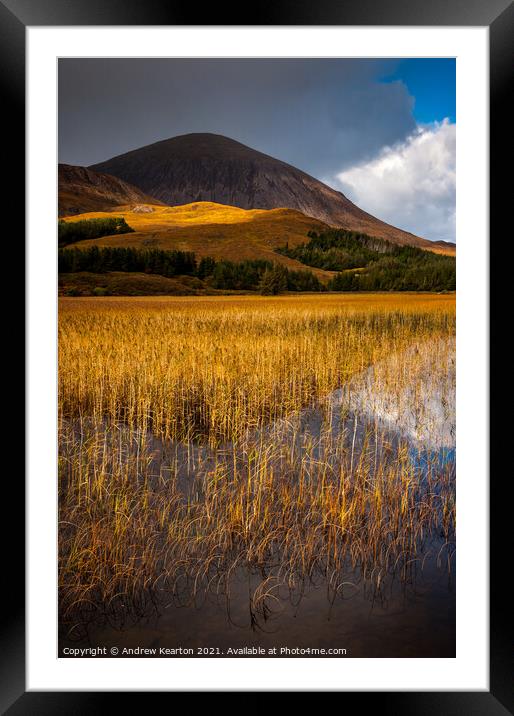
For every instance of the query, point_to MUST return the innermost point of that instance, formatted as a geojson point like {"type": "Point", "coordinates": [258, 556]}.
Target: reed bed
{"type": "Point", "coordinates": [187, 457]}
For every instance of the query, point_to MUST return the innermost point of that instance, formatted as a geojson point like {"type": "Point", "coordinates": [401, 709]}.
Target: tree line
{"type": "Point", "coordinates": [103, 259]}
{"type": "Point", "coordinates": [383, 266]}
{"type": "Point", "coordinates": [68, 232]}
{"type": "Point", "coordinates": [252, 274]}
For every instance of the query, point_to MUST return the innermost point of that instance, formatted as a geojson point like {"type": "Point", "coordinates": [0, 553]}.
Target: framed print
{"type": "Point", "coordinates": [257, 261]}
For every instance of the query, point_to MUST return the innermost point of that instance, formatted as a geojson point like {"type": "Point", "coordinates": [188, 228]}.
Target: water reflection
{"type": "Point", "coordinates": [406, 608]}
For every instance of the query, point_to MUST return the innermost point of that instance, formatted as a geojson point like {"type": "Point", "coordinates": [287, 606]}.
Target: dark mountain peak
{"type": "Point", "coordinates": [198, 139]}
{"type": "Point", "coordinates": [212, 167]}
{"type": "Point", "coordinates": [198, 145]}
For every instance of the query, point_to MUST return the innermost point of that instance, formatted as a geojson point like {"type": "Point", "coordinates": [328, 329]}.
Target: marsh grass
{"type": "Point", "coordinates": [185, 460]}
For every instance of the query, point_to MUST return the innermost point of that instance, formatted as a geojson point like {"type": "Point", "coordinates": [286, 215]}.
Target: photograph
{"type": "Point", "coordinates": [256, 357]}
{"type": "Point", "coordinates": [260, 441]}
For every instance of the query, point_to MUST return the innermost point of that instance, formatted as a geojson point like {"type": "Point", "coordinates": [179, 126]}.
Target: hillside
{"type": "Point", "coordinates": [209, 229]}
{"type": "Point", "coordinates": [209, 167]}
{"type": "Point", "coordinates": [82, 189]}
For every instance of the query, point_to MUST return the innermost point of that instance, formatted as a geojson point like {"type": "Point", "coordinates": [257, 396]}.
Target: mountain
{"type": "Point", "coordinates": [82, 189]}
{"type": "Point", "coordinates": [213, 168]}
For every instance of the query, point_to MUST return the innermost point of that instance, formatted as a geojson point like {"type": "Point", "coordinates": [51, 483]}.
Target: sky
{"type": "Point", "coordinates": [382, 131]}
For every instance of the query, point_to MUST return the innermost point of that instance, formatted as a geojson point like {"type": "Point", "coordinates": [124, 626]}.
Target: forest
{"type": "Point", "coordinates": [252, 275]}
{"type": "Point", "coordinates": [382, 266]}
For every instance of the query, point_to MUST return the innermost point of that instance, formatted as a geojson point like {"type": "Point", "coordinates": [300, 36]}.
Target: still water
{"type": "Point", "coordinates": [411, 614]}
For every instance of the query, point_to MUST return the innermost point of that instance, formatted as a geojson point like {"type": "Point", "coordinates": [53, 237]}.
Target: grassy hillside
{"type": "Point", "coordinates": [209, 229]}
{"type": "Point", "coordinates": [241, 245]}
{"type": "Point", "coordinates": [216, 230]}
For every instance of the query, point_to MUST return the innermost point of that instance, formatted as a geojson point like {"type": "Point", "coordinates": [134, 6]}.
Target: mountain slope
{"type": "Point", "coordinates": [210, 167]}
{"type": "Point", "coordinates": [82, 189]}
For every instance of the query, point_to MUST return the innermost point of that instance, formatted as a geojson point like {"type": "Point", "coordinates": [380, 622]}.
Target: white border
{"type": "Point", "coordinates": [469, 670]}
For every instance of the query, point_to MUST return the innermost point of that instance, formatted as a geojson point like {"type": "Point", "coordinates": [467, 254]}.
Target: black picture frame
{"type": "Point", "coordinates": [498, 15]}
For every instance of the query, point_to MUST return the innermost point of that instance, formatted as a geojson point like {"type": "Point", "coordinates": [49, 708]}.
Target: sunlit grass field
{"type": "Point", "coordinates": [210, 229]}
{"type": "Point", "coordinates": [171, 477]}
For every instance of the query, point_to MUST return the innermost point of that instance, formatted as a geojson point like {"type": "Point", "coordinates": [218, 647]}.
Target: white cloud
{"type": "Point", "coordinates": [410, 184]}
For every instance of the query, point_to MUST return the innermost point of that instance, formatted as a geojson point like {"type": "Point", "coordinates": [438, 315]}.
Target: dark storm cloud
{"type": "Point", "coordinates": [319, 115]}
